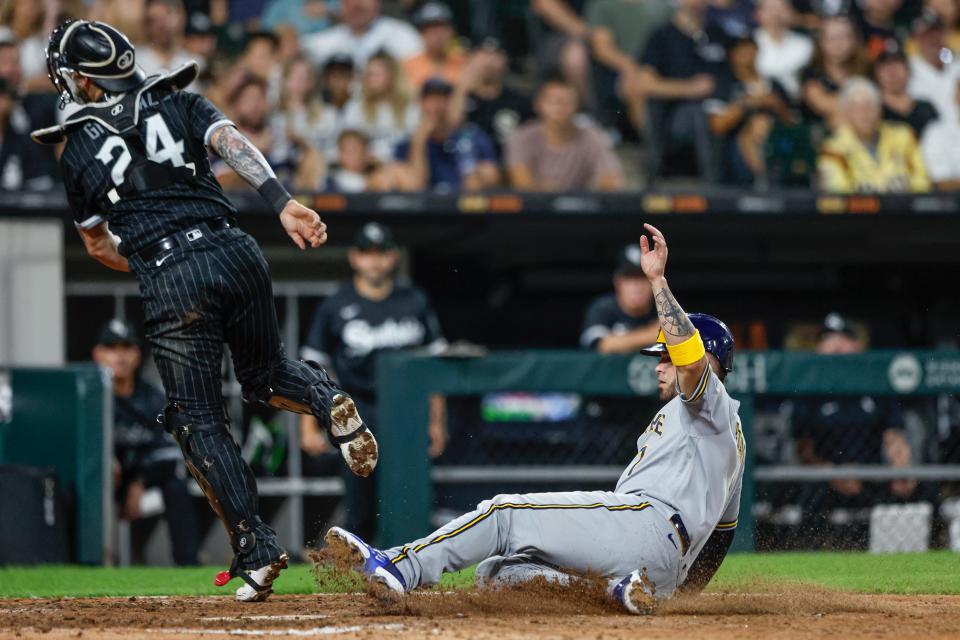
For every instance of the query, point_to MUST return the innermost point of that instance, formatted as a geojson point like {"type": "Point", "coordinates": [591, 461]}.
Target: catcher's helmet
{"type": "Point", "coordinates": [96, 50]}
{"type": "Point", "coordinates": [716, 337]}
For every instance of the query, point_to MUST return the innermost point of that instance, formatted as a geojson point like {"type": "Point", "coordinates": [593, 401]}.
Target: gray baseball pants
{"type": "Point", "coordinates": [516, 538]}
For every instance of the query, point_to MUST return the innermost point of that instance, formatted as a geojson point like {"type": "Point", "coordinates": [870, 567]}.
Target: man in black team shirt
{"type": "Point", "coordinates": [145, 457]}
{"type": "Point", "coordinates": [370, 314]}
{"type": "Point", "coordinates": [482, 98]}
{"type": "Point", "coordinates": [144, 200]}
{"type": "Point", "coordinates": [625, 320]}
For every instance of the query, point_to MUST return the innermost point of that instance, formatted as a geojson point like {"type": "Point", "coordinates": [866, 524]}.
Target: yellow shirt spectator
{"type": "Point", "coordinates": [895, 165]}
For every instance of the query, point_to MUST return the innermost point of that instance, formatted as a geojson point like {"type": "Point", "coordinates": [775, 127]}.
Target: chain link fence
{"type": "Point", "coordinates": [831, 472]}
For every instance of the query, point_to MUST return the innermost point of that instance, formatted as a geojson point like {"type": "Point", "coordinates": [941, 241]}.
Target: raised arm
{"type": "Point", "coordinates": [301, 223]}
{"type": "Point", "coordinates": [683, 340]}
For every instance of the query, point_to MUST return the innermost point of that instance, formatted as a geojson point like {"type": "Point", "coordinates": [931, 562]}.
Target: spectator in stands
{"type": "Point", "coordinates": [876, 24]}
{"type": "Point", "coordinates": [561, 41]}
{"type": "Point", "coordinates": [337, 80]}
{"type": "Point", "coordinates": [934, 71]}
{"type": "Point", "coordinates": [29, 23]}
{"type": "Point", "coordinates": [838, 430]}
{"type": "Point", "coordinates": [678, 72]}
{"type": "Point", "coordinates": [783, 53]}
{"type": "Point", "coordinates": [867, 155]}
{"type": "Point", "coordinates": [626, 320]}
{"type": "Point", "coordinates": [556, 152]}
{"type": "Point", "coordinates": [949, 13]}
{"type": "Point", "coordinates": [742, 114]}
{"type": "Point", "coordinates": [24, 165]}
{"type": "Point", "coordinates": [145, 456]}
{"type": "Point", "coordinates": [892, 74]}
{"type": "Point", "coordinates": [260, 59]}
{"type": "Point", "coordinates": [300, 107]}
{"type": "Point", "coordinates": [935, 76]}
{"type": "Point", "coordinates": [356, 169]}
{"type": "Point", "coordinates": [10, 68]}
{"type": "Point", "coordinates": [619, 31]}
{"type": "Point", "coordinates": [304, 16]}
{"type": "Point", "coordinates": [164, 23]}
{"type": "Point", "coordinates": [383, 109]}
{"type": "Point", "coordinates": [28, 112]}
{"type": "Point", "coordinates": [442, 56]}
{"type": "Point", "coordinates": [297, 163]}
{"type": "Point", "coordinates": [839, 57]}
{"type": "Point", "coordinates": [482, 98]}
{"type": "Point", "coordinates": [441, 155]}
{"type": "Point", "coordinates": [200, 43]}
{"type": "Point", "coordinates": [362, 33]}
{"type": "Point", "coordinates": [369, 315]}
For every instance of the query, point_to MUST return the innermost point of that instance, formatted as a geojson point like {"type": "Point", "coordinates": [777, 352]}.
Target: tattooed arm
{"type": "Point", "coordinates": [676, 325]}
{"type": "Point", "coordinates": [242, 156]}
{"type": "Point", "coordinates": [301, 223]}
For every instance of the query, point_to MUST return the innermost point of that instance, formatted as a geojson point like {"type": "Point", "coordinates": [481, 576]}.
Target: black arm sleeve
{"type": "Point", "coordinates": [709, 560]}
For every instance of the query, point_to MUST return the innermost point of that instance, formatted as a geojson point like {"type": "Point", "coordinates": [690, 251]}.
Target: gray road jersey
{"type": "Point", "coordinates": [691, 458]}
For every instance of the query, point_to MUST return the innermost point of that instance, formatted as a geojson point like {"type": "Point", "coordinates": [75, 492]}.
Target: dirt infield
{"type": "Point", "coordinates": [784, 613]}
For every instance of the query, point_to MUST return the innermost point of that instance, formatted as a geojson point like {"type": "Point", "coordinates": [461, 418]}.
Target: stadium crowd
{"type": "Point", "coordinates": [546, 95]}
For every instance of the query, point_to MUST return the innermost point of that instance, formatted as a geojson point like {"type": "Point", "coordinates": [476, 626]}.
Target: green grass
{"type": "Point", "coordinates": [935, 573]}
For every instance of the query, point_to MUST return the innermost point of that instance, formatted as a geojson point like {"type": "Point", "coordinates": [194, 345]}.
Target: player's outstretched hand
{"type": "Point", "coordinates": [303, 225]}
{"type": "Point", "coordinates": [653, 260]}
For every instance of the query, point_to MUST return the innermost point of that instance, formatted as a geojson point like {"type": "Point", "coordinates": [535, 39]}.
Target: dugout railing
{"type": "Point", "coordinates": [411, 484]}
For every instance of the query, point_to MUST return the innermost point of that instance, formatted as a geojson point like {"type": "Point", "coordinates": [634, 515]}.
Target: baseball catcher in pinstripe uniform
{"type": "Point", "coordinates": [144, 200]}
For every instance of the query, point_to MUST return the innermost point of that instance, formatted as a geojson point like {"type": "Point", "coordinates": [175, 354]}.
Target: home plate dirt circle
{"type": "Point", "coordinates": [785, 612]}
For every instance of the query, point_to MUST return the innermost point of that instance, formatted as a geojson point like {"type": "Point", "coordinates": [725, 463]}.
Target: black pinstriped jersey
{"type": "Point", "coordinates": [176, 127]}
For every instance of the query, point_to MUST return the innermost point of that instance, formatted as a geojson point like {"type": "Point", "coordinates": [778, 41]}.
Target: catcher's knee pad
{"type": "Point", "coordinates": [214, 461]}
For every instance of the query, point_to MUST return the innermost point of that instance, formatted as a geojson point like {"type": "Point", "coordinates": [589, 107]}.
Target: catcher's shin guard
{"type": "Point", "coordinates": [214, 461]}
{"type": "Point", "coordinates": [304, 387]}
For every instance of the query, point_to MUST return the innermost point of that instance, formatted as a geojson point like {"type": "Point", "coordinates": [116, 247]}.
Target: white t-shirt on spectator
{"type": "Point", "coordinates": [33, 56]}
{"type": "Point", "coordinates": [396, 37]}
{"type": "Point", "coordinates": [941, 150]}
{"type": "Point", "coordinates": [384, 131]}
{"type": "Point", "coordinates": [782, 61]}
{"type": "Point", "coordinates": [938, 86]}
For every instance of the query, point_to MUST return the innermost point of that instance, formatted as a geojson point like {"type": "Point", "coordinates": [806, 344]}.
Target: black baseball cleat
{"type": "Point", "coordinates": [356, 442]}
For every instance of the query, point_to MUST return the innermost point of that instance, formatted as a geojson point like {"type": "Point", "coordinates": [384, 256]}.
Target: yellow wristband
{"type": "Point", "coordinates": [687, 352]}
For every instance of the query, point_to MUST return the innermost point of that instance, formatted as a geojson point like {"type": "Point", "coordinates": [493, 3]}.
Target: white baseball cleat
{"type": "Point", "coordinates": [264, 577]}
{"type": "Point", "coordinates": [356, 442]}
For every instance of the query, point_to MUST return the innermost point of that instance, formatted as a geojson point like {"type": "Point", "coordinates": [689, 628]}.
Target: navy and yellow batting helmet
{"type": "Point", "coordinates": [716, 337]}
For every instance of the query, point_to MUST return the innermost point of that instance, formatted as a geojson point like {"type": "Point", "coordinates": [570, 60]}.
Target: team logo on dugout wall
{"type": "Point", "coordinates": [905, 373]}
{"type": "Point", "coordinates": [641, 376]}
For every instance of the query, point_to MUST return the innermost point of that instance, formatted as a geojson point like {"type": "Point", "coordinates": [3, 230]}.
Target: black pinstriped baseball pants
{"type": "Point", "coordinates": [213, 290]}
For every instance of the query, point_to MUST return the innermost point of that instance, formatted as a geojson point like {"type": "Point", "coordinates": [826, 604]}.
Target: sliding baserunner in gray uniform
{"type": "Point", "coordinates": [666, 525]}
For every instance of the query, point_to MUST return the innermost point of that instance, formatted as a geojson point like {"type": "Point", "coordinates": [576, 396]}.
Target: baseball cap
{"type": "Point", "coordinates": [198, 24]}
{"type": "Point", "coordinates": [374, 235]}
{"type": "Point", "coordinates": [836, 323]}
{"type": "Point", "coordinates": [432, 13]}
{"type": "Point", "coordinates": [339, 60]}
{"type": "Point", "coordinates": [629, 261]}
{"type": "Point", "coordinates": [117, 332]}
{"type": "Point", "coordinates": [436, 85]}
